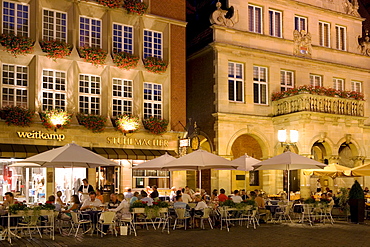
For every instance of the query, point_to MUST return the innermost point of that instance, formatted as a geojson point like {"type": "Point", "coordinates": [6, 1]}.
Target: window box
{"type": "Point", "coordinates": [55, 119]}
{"type": "Point", "coordinates": [17, 45]}
{"type": "Point", "coordinates": [125, 60]}
{"type": "Point", "coordinates": [17, 115]}
{"type": "Point", "coordinates": [93, 55]}
{"type": "Point", "coordinates": [135, 6]}
{"type": "Point", "coordinates": [95, 123]}
{"type": "Point", "coordinates": [55, 48]}
{"type": "Point", "coordinates": [155, 125]}
{"type": "Point", "coordinates": [155, 65]}
{"type": "Point", "coordinates": [127, 124]}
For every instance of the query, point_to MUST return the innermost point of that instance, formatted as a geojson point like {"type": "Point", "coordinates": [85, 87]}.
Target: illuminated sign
{"type": "Point", "coordinates": [39, 135]}
{"type": "Point", "coordinates": [137, 142]}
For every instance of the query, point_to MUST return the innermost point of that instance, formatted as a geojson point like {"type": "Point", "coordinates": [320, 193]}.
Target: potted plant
{"type": "Point", "coordinates": [125, 60]}
{"type": "Point", "coordinates": [357, 203]}
{"type": "Point", "coordinates": [155, 65]}
{"type": "Point", "coordinates": [17, 115]}
{"type": "Point", "coordinates": [96, 123]}
{"type": "Point", "coordinates": [55, 48]}
{"type": "Point", "coordinates": [93, 55]}
{"type": "Point", "coordinates": [155, 125]}
{"type": "Point", "coordinates": [17, 45]}
{"type": "Point", "coordinates": [135, 6]}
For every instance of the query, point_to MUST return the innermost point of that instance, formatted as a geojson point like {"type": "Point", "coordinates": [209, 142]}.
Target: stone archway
{"type": "Point", "coordinates": [246, 144]}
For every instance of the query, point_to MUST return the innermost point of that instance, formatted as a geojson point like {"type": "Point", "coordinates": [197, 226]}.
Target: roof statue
{"type": "Point", "coordinates": [228, 17]}
{"type": "Point", "coordinates": [351, 7]}
{"type": "Point", "coordinates": [364, 43]}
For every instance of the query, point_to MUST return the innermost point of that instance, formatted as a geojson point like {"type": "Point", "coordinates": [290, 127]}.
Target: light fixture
{"type": "Point", "coordinates": [282, 137]}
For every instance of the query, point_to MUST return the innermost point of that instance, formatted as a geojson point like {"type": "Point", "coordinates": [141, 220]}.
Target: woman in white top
{"type": "Point", "coordinates": [123, 210]}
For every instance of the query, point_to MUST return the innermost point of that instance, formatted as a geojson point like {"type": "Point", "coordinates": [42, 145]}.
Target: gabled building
{"type": "Point", "coordinates": [256, 67]}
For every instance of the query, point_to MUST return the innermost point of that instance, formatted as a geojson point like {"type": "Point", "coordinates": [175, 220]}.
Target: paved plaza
{"type": "Point", "coordinates": [286, 234]}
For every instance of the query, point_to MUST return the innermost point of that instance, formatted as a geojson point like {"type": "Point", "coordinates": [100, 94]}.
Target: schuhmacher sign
{"type": "Point", "coordinates": [121, 141]}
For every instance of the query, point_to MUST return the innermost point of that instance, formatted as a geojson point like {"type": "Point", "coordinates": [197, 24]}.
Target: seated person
{"type": "Point", "coordinates": [147, 199]}
{"type": "Point", "coordinates": [244, 195]}
{"type": "Point", "coordinates": [9, 199]}
{"type": "Point", "coordinates": [75, 205]}
{"type": "Point", "coordinates": [199, 208]}
{"type": "Point", "coordinates": [262, 208]}
{"type": "Point", "coordinates": [236, 198]}
{"type": "Point", "coordinates": [222, 197]}
{"type": "Point", "coordinates": [114, 202]}
{"type": "Point", "coordinates": [134, 198]}
{"type": "Point", "coordinates": [122, 211]}
{"type": "Point", "coordinates": [91, 202]}
{"type": "Point", "coordinates": [59, 200]}
{"type": "Point", "coordinates": [128, 194]}
{"type": "Point", "coordinates": [185, 197]}
{"type": "Point", "coordinates": [180, 204]}
{"type": "Point", "coordinates": [154, 193]}
{"type": "Point", "coordinates": [51, 200]}
{"type": "Point", "coordinates": [99, 195]}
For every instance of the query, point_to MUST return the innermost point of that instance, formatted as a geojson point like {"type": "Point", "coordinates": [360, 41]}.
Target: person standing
{"type": "Point", "coordinates": [85, 189]}
{"type": "Point", "coordinates": [318, 185]}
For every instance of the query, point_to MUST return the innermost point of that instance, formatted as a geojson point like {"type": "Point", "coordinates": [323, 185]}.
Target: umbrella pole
{"type": "Point", "coordinates": [288, 196]}
{"type": "Point", "coordinates": [200, 179]}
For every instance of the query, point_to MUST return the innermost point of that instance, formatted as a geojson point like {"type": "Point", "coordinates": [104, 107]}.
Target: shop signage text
{"type": "Point", "coordinates": [137, 142]}
{"type": "Point", "coordinates": [41, 135]}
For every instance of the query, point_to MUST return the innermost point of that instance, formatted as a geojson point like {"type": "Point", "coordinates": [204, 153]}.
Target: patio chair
{"type": "Point", "coordinates": [106, 219]}
{"type": "Point", "coordinates": [284, 213]}
{"type": "Point", "coordinates": [140, 217]}
{"type": "Point", "coordinates": [164, 219]}
{"type": "Point", "coordinates": [307, 213]}
{"type": "Point", "coordinates": [206, 216]}
{"type": "Point", "coordinates": [224, 217]}
{"type": "Point", "coordinates": [30, 222]}
{"type": "Point", "coordinates": [252, 218]}
{"type": "Point", "coordinates": [77, 222]}
{"type": "Point", "coordinates": [129, 222]}
{"type": "Point", "coordinates": [327, 214]}
{"type": "Point", "coordinates": [180, 213]}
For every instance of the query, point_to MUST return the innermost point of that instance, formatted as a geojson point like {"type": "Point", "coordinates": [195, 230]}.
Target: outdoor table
{"type": "Point", "coordinates": [298, 208]}
{"type": "Point", "coordinates": [93, 215]}
{"type": "Point", "coordinates": [272, 208]}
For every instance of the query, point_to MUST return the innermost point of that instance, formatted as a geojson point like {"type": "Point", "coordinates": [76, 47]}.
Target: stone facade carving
{"type": "Point", "coordinates": [364, 44]}
{"type": "Point", "coordinates": [351, 7]}
{"type": "Point", "coordinates": [302, 43]}
{"type": "Point", "coordinates": [318, 103]}
{"type": "Point", "coordinates": [226, 18]}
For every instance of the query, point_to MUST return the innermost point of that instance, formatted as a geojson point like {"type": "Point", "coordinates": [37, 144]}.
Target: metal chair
{"type": "Point", "coordinates": [106, 219]}
{"type": "Point", "coordinates": [284, 213]}
{"type": "Point", "coordinates": [180, 213]}
{"type": "Point", "coordinates": [205, 216]}
{"type": "Point", "coordinates": [128, 221]}
{"type": "Point", "coordinates": [76, 221]}
{"type": "Point", "coordinates": [30, 222]}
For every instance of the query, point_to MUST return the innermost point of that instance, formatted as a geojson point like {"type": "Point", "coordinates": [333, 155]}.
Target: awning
{"type": "Point", "coordinates": [134, 154]}
{"type": "Point", "coordinates": [24, 151]}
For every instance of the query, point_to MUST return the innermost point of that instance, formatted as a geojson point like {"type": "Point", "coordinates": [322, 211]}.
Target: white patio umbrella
{"type": "Point", "coordinates": [332, 170]}
{"type": "Point", "coordinates": [155, 164]}
{"type": "Point", "coordinates": [68, 156]}
{"type": "Point", "coordinates": [199, 160]}
{"type": "Point", "coordinates": [288, 161]}
{"type": "Point", "coordinates": [245, 163]}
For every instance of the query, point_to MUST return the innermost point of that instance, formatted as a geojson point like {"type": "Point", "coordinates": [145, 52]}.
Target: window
{"type": "Point", "coordinates": [54, 25]}
{"type": "Point", "coordinates": [324, 33]}
{"type": "Point", "coordinates": [15, 18]}
{"type": "Point", "coordinates": [89, 94]}
{"type": "Point", "coordinates": [90, 32]}
{"type": "Point", "coordinates": [340, 38]}
{"type": "Point", "coordinates": [152, 100]}
{"type": "Point", "coordinates": [286, 80]}
{"type": "Point", "coordinates": [275, 23]}
{"type": "Point", "coordinates": [255, 18]}
{"type": "Point", "coordinates": [260, 85]}
{"type": "Point", "coordinates": [300, 23]}
{"type": "Point", "coordinates": [53, 90]}
{"type": "Point", "coordinates": [316, 80]}
{"type": "Point", "coordinates": [356, 86]}
{"type": "Point", "coordinates": [152, 44]}
{"type": "Point", "coordinates": [338, 84]}
{"type": "Point", "coordinates": [122, 38]}
{"type": "Point", "coordinates": [122, 97]}
{"type": "Point", "coordinates": [236, 82]}
{"type": "Point", "coordinates": [14, 85]}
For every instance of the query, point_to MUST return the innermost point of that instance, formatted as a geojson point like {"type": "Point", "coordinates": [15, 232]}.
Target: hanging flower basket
{"type": "Point", "coordinates": [95, 123]}
{"type": "Point", "coordinates": [125, 60]}
{"type": "Point", "coordinates": [17, 45]}
{"type": "Point", "coordinates": [16, 115]}
{"type": "Point", "coordinates": [135, 6]}
{"type": "Point", "coordinates": [127, 124]}
{"type": "Point", "coordinates": [155, 65]}
{"type": "Point", "coordinates": [55, 119]}
{"type": "Point", "coordinates": [155, 125]}
{"type": "Point", "coordinates": [93, 55]}
{"type": "Point", "coordinates": [55, 48]}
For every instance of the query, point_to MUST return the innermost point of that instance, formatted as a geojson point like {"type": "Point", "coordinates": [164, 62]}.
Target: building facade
{"type": "Point", "coordinates": [77, 85]}
{"type": "Point", "coordinates": [255, 67]}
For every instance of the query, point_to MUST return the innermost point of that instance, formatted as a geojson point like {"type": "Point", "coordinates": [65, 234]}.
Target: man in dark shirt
{"type": "Point", "coordinates": [114, 202]}
{"type": "Point", "coordinates": [155, 193]}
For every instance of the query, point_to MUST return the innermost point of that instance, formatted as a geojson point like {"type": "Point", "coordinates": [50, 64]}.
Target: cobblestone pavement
{"type": "Point", "coordinates": [285, 234]}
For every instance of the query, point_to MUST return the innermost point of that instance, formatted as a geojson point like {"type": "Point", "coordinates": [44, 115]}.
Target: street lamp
{"type": "Point", "coordinates": [285, 142]}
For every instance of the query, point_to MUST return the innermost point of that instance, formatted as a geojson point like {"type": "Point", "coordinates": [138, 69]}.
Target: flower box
{"type": "Point", "coordinates": [155, 125]}
{"type": "Point", "coordinates": [134, 6]}
{"type": "Point", "coordinates": [125, 60]}
{"type": "Point", "coordinates": [57, 119]}
{"type": "Point", "coordinates": [16, 115]}
{"type": "Point", "coordinates": [17, 45]}
{"type": "Point", "coordinates": [95, 123]}
{"type": "Point", "coordinates": [93, 55]}
{"type": "Point", "coordinates": [55, 48]}
{"type": "Point", "coordinates": [155, 65]}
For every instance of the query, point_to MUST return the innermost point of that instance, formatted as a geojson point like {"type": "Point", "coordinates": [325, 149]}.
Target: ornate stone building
{"type": "Point", "coordinates": [255, 67]}
{"type": "Point", "coordinates": [75, 84]}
